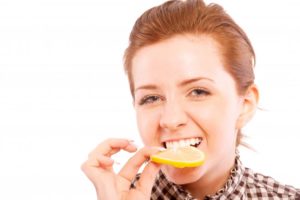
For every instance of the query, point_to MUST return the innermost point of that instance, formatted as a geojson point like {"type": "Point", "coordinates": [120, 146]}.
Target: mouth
{"type": "Point", "coordinates": [194, 142]}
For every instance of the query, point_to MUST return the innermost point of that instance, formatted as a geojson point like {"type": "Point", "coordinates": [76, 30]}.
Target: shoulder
{"type": "Point", "coordinates": [259, 185]}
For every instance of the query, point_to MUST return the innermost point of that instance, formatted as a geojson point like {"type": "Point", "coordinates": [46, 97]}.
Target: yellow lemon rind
{"type": "Point", "coordinates": [178, 163]}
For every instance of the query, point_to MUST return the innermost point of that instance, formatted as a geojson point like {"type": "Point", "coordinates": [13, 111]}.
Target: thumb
{"type": "Point", "coordinates": [147, 178]}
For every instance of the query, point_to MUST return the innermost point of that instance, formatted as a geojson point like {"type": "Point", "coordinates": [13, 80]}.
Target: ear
{"type": "Point", "coordinates": [248, 106]}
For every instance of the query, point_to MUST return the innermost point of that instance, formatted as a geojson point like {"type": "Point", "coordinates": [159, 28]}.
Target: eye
{"type": "Point", "coordinates": [149, 99]}
{"type": "Point", "coordinates": [198, 92]}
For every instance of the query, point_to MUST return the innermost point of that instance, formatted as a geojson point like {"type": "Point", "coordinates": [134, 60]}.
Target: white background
{"type": "Point", "coordinates": [63, 90]}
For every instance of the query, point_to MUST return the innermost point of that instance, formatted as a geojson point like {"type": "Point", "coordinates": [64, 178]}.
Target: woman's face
{"type": "Point", "coordinates": [182, 94]}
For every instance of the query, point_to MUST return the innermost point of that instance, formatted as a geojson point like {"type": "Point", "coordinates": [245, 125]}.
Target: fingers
{"type": "Point", "coordinates": [147, 178]}
{"type": "Point", "coordinates": [133, 165]}
{"type": "Point", "coordinates": [98, 169]}
{"type": "Point", "coordinates": [112, 146]}
{"type": "Point", "coordinates": [99, 158]}
{"type": "Point", "coordinates": [94, 166]}
{"type": "Point", "coordinates": [99, 161]}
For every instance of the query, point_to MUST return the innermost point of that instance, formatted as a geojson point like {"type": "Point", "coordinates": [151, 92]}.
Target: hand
{"type": "Point", "coordinates": [111, 186]}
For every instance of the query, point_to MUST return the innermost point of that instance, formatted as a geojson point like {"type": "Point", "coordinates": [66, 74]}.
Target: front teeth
{"type": "Point", "coordinates": [184, 143]}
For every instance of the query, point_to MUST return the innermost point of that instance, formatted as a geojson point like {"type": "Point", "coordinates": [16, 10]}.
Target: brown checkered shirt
{"type": "Point", "coordinates": [243, 184]}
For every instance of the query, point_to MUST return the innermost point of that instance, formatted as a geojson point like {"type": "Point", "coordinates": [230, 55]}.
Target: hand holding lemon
{"type": "Point", "coordinates": [111, 185]}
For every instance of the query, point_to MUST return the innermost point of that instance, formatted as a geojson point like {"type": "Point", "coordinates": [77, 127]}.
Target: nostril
{"type": "Point", "coordinates": [173, 118]}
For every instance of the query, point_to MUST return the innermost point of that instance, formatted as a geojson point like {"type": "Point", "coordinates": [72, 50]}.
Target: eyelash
{"type": "Point", "coordinates": [150, 99]}
{"type": "Point", "coordinates": [200, 92]}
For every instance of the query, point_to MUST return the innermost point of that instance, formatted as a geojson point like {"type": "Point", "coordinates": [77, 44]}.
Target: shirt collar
{"type": "Point", "coordinates": [231, 185]}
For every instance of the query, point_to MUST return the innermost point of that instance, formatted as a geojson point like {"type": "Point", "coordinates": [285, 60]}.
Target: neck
{"type": "Point", "coordinates": [212, 182]}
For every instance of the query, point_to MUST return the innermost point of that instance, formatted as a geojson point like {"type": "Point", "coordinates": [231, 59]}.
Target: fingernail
{"type": "Point", "coordinates": [132, 143]}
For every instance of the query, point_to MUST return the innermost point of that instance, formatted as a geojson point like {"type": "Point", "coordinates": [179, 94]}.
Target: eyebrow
{"type": "Point", "coordinates": [192, 80]}
{"type": "Point", "coordinates": [146, 87]}
{"type": "Point", "coordinates": [181, 84]}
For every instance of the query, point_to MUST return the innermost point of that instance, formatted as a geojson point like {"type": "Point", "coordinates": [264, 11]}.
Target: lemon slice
{"type": "Point", "coordinates": [180, 157]}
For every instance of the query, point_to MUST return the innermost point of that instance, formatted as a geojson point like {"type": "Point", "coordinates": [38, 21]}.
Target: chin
{"type": "Point", "coordinates": [181, 176]}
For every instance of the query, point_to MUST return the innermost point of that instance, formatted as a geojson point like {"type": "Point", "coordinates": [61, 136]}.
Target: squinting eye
{"type": "Point", "coordinates": [199, 92]}
{"type": "Point", "coordinates": [149, 100]}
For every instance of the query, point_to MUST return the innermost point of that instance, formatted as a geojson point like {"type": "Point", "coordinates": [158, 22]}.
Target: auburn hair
{"type": "Point", "coordinates": [178, 17]}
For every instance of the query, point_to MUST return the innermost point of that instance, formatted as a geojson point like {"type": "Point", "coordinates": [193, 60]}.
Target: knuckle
{"type": "Point", "coordinates": [91, 155]}
{"type": "Point", "coordinates": [84, 167]}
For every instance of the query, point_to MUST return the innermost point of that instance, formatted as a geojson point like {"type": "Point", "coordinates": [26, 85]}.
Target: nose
{"type": "Point", "coordinates": [173, 116]}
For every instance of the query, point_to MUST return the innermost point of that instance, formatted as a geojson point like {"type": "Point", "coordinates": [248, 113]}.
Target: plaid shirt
{"type": "Point", "coordinates": [243, 184]}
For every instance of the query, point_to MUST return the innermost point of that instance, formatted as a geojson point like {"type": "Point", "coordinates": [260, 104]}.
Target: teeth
{"type": "Point", "coordinates": [186, 143]}
{"type": "Point", "coordinates": [183, 143]}
{"type": "Point", "coordinates": [193, 141]}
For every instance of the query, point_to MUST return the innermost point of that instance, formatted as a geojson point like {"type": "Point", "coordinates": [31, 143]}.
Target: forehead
{"type": "Point", "coordinates": [182, 56]}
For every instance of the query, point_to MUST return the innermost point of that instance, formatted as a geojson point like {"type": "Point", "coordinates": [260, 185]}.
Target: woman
{"type": "Point", "coordinates": [190, 69]}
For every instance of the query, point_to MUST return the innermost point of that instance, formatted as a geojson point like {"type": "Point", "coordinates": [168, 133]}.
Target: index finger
{"type": "Point", "coordinates": [113, 145]}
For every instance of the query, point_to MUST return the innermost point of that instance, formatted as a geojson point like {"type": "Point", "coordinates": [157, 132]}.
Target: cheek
{"type": "Point", "coordinates": [217, 120]}
{"type": "Point", "coordinates": [148, 124]}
